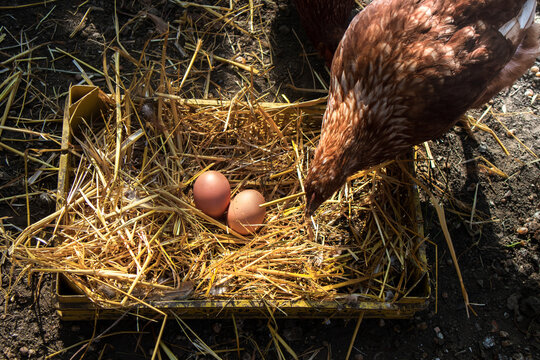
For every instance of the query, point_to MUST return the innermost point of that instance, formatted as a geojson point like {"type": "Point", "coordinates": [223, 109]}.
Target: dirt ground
{"type": "Point", "coordinates": [499, 257]}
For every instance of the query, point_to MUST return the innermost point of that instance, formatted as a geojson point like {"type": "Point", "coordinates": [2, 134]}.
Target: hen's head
{"type": "Point", "coordinates": [364, 125]}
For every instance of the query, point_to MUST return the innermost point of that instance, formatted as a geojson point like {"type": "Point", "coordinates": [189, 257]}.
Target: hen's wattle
{"type": "Point", "coordinates": [406, 70]}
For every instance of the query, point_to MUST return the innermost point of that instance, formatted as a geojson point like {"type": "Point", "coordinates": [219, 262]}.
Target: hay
{"type": "Point", "coordinates": [128, 231]}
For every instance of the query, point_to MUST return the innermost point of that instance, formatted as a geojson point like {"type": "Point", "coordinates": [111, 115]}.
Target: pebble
{"type": "Point", "coordinates": [358, 357]}
{"type": "Point", "coordinates": [23, 350]}
{"type": "Point", "coordinates": [535, 69]}
{"type": "Point", "coordinates": [489, 342]}
{"type": "Point", "coordinates": [511, 132]}
{"type": "Point", "coordinates": [284, 29]}
{"type": "Point", "coordinates": [293, 334]}
{"type": "Point", "coordinates": [483, 148]}
{"type": "Point", "coordinates": [240, 59]}
{"type": "Point", "coordinates": [522, 230]}
{"type": "Point", "coordinates": [529, 93]}
{"type": "Point", "coordinates": [148, 112]}
{"type": "Point", "coordinates": [216, 327]}
{"type": "Point", "coordinates": [537, 74]}
{"type": "Point", "coordinates": [504, 334]}
{"type": "Point", "coordinates": [512, 303]}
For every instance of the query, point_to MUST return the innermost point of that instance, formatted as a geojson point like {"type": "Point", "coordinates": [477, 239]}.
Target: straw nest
{"type": "Point", "coordinates": [128, 231]}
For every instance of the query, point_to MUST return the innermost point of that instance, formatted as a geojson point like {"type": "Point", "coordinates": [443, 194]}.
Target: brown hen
{"type": "Point", "coordinates": [404, 73]}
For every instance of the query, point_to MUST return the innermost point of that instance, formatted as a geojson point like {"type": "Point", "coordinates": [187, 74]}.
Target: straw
{"type": "Point", "coordinates": [133, 224]}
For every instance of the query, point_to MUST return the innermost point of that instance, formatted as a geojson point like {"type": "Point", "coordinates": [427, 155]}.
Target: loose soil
{"type": "Point", "coordinates": [500, 266]}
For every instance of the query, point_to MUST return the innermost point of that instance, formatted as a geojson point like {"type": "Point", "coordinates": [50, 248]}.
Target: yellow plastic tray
{"type": "Point", "coordinates": [85, 102]}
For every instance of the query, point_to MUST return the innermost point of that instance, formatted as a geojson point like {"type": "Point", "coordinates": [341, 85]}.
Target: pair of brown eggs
{"type": "Point", "coordinates": [212, 195]}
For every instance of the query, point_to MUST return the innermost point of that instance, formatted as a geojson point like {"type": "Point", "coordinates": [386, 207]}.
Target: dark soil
{"type": "Point", "coordinates": [500, 266]}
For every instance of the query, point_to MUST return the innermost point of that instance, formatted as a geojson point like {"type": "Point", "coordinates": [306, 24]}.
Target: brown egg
{"type": "Point", "coordinates": [245, 216]}
{"type": "Point", "coordinates": [212, 193]}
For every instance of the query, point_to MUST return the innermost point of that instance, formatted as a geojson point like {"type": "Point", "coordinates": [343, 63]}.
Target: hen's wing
{"type": "Point", "coordinates": [433, 59]}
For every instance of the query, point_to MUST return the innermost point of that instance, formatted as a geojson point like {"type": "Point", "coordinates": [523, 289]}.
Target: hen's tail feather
{"type": "Point", "coordinates": [524, 57]}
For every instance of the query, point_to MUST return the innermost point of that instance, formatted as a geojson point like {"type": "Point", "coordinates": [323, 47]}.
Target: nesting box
{"type": "Point", "coordinates": [128, 236]}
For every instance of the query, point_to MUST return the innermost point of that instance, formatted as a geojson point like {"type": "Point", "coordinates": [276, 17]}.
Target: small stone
{"type": "Point", "coordinates": [503, 334]}
{"type": "Point", "coordinates": [31, 352]}
{"type": "Point", "coordinates": [216, 327]}
{"type": "Point", "coordinates": [24, 351]}
{"type": "Point", "coordinates": [358, 357]}
{"type": "Point", "coordinates": [293, 334]}
{"type": "Point", "coordinates": [512, 303]}
{"type": "Point", "coordinates": [488, 342]}
{"type": "Point", "coordinates": [284, 29]}
{"type": "Point", "coordinates": [483, 148]}
{"type": "Point", "coordinates": [529, 93]}
{"type": "Point", "coordinates": [240, 59]}
{"type": "Point", "coordinates": [511, 132]}
{"type": "Point", "coordinates": [537, 74]}
{"type": "Point", "coordinates": [148, 112]}
{"type": "Point", "coordinates": [535, 69]}
{"type": "Point", "coordinates": [522, 230]}
{"type": "Point", "coordinates": [449, 261]}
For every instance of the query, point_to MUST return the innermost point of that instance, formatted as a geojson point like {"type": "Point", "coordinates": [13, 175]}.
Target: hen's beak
{"type": "Point", "coordinates": [312, 203]}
